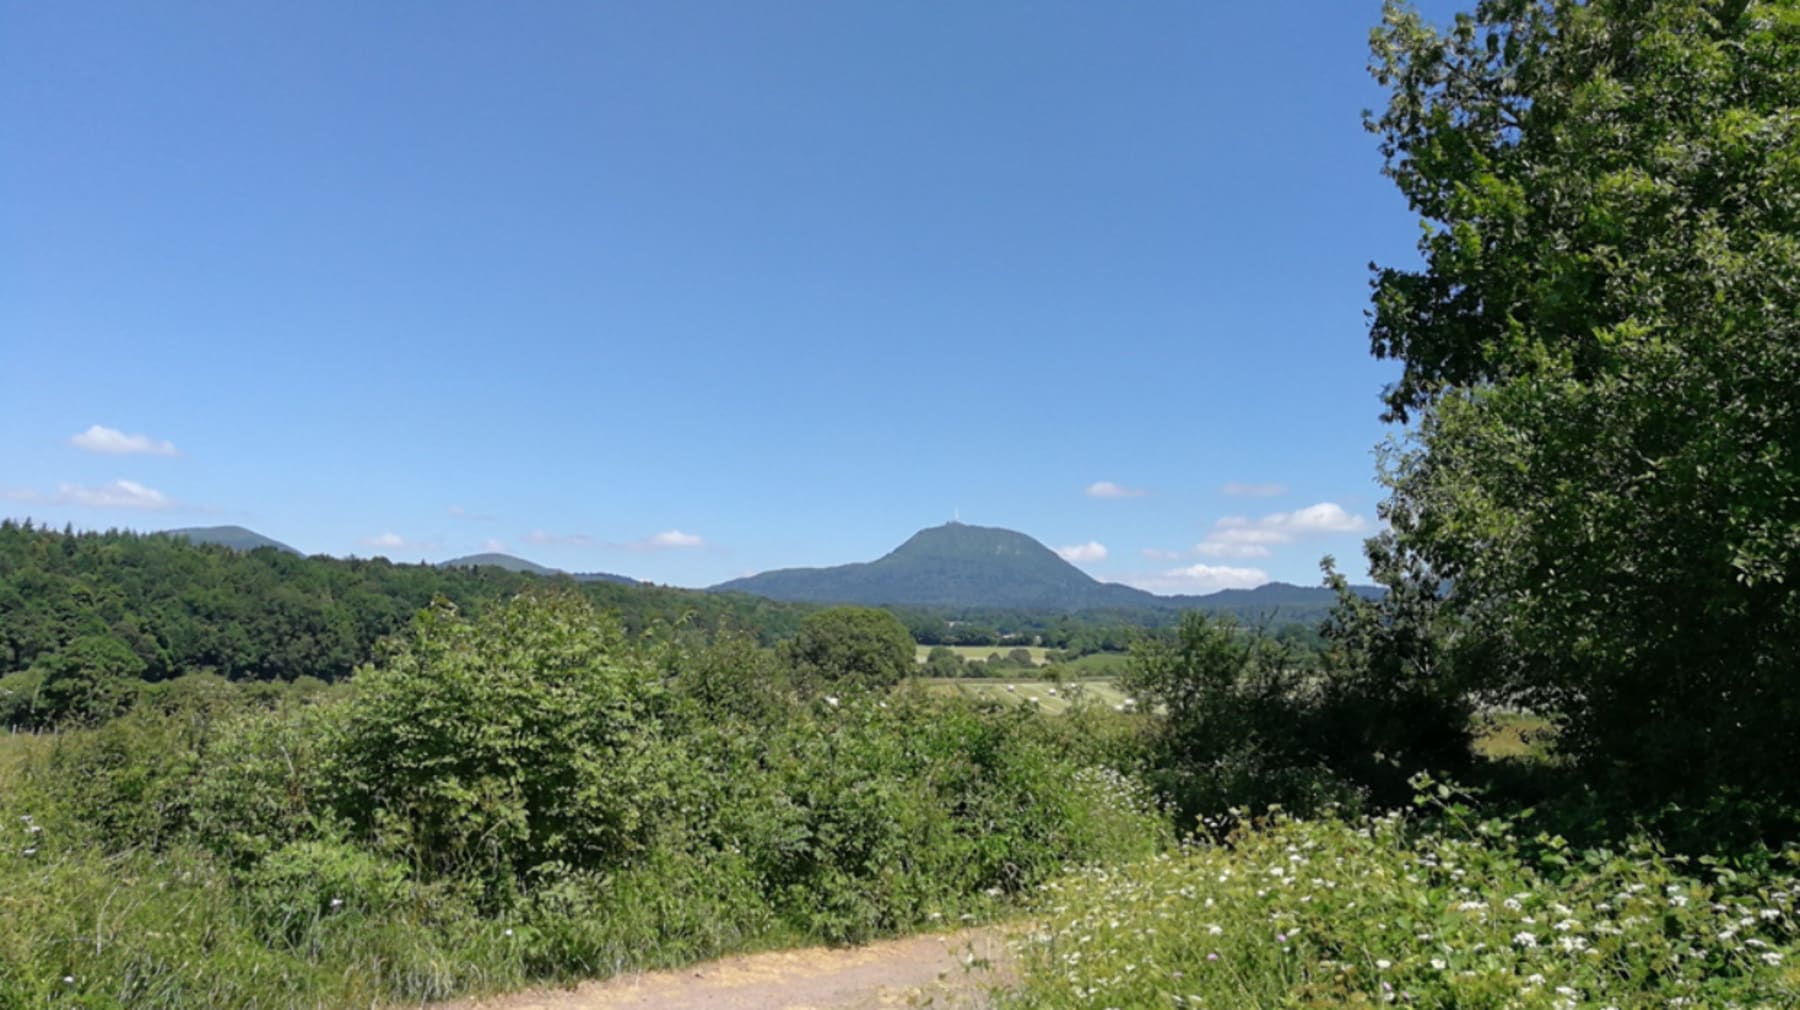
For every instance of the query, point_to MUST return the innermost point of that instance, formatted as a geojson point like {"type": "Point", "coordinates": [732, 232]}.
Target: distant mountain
{"type": "Point", "coordinates": [235, 537]}
{"type": "Point", "coordinates": [518, 564]}
{"type": "Point", "coordinates": [506, 561]}
{"type": "Point", "coordinates": [954, 565]}
{"type": "Point", "coordinates": [962, 566]}
{"type": "Point", "coordinates": [1278, 601]}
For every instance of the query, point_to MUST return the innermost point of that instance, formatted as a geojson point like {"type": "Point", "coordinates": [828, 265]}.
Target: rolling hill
{"type": "Point", "coordinates": [512, 563]}
{"type": "Point", "coordinates": [235, 537]}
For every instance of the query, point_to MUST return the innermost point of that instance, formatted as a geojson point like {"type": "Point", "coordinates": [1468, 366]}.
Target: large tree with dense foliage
{"type": "Point", "coordinates": [859, 646]}
{"type": "Point", "coordinates": [1601, 360]}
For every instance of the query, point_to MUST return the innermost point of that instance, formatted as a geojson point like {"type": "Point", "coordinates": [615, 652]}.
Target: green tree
{"type": "Point", "coordinates": [88, 680]}
{"type": "Point", "coordinates": [943, 661]}
{"type": "Point", "coordinates": [1236, 727]}
{"type": "Point", "coordinates": [861, 646]}
{"type": "Point", "coordinates": [1602, 363]}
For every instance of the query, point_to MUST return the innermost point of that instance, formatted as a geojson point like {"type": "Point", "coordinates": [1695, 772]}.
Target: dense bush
{"type": "Point", "coordinates": [527, 794]}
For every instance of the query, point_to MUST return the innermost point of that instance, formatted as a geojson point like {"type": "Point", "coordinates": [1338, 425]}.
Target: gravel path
{"type": "Point", "coordinates": [930, 970]}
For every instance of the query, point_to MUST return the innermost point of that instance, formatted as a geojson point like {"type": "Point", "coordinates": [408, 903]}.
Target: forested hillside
{"type": "Point", "coordinates": [81, 610]}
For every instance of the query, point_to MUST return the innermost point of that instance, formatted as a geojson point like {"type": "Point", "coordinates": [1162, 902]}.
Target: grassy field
{"type": "Point", "coordinates": [1099, 664]}
{"type": "Point", "coordinates": [1047, 697]}
{"type": "Point", "coordinates": [1094, 665]}
{"type": "Point", "coordinates": [982, 652]}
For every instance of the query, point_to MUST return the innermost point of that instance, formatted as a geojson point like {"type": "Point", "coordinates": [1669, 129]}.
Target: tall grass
{"type": "Point", "coordinates": [1448, 912]}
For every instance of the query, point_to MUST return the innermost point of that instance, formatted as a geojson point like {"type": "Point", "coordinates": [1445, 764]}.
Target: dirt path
{"type": "Point", "coordinates": [932, 970]}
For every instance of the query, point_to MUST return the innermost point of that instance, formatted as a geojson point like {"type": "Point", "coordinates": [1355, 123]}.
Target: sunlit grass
{"type": "Point", "coordinates": [1513, 735]}
{"type": "Point", "coordinates": [1045, 696]}
{"type": "Point", "coordinates": [1379, 912]}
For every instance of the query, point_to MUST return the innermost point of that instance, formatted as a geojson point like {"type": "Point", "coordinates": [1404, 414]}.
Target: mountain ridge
{"type": "Point", "coordinates": [961, 565]}
{"type": "Point", "coordinates": [238, 538]}
{"type": "Point", "coordinates": [514, 563]}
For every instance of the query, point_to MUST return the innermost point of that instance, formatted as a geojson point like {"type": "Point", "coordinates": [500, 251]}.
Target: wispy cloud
{"type": "Point", "coordinates": [120, 494]}
{"type": "Point", "coordinates": [1240, 537]}
{"type": "Point", "coordinates": [458, 512]}
{"type": "Point", "coordinates": [668, 540]}
{"type": "Point", "coordinates": [18, 494]}
{"type": "Point", "coordinates": [492, 546]}
{"type": "Point", "coordinates": [1200, 579]}
{"type": "Point", "coordinates": [394, 542]}
{"type": "Point", "coordinates": [1107, 489]}
{"type": "Point", "coordinates": [1253, 490]}
{"type": "Point", "coordinates": [114, 442]}
{"type": "Point", "coordinates": [543, 538]}
{"type": "Point", "coordinates": [1080, 553]}
{"type": "Point", "coordinates": [1223, 545]}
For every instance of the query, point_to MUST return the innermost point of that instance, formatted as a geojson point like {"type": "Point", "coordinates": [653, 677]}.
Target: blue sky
{"type": "Point", "coordinates": [689, 290]}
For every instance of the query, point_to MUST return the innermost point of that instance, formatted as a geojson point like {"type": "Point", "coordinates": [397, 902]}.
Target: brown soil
{"type": "Point", "coordinates": [944, 970]}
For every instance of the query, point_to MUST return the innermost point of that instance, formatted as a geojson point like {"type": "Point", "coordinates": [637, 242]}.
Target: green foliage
{"type": "Point", "coordinates": [1398, 680]}
{"type": "Point", "coordinates": [1238, 721]}
{"type": "Point", "coordinates": [94, 616]}
{"type": "Point", "coordinates": [292, 890]}
{"type": "Point", "coordinates": [1448, 912]}
{"type": "Point", "coordinates": [1602, 355]}
{"type": "Point", "coordinates": [525, 794]}
{"type": "Point", "coordinates": [942, 661]}
{"type": "Point", "coordinates": [527, 736]}
{"type": "Point", "coordinates": [89, 680]}
{"type": "Point", "coordinates": [851, 647]}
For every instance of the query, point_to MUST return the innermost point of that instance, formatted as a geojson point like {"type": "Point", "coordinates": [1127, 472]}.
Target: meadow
{"type": "Point", "coordinates": [986, 652]}
{"type": "Point", "coordinates": [1048, 697]}
{"type": "Point", "coordinates": [1431, 908]}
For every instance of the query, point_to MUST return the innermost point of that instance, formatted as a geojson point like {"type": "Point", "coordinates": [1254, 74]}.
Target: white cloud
{"type": "Point", "coordinates": [1200, 579]}
{"type": "Point", "coordinates": [670, 539]}
{"type": "Point", "coordinates": [1158, 554]}
{"type": "Point", "coordinates": [492, 546]}
{"type": "Point", "coordinates": [1090, 551]}
{"type": "Point", "coordinates": [120, 494]}
{"type": "Point", "coordinates": [1107, 489]}
{"type": "Point", "coordinates": [1226, 549]}
{"type": "Point", "coordinates": [18, 494]}
{"type": "Point", "coordinates": [1325, 517]}
{"type": "Point", "coordinates": [458, 512]}
{"type": "Point", "coordinates": [1240, 537]}
{"type": "Point", "coordinates": [394, 543]}
{"type": "Point", "coordinates": [544, 538]}
{"type": "Point", "coordinates": [114, 442]}
{"type": "Point", "coordinates": [1252, 490]}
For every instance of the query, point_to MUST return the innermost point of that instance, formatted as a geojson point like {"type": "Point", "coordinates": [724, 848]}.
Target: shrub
{"type": "Point", "coordinates": [486, 748]}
